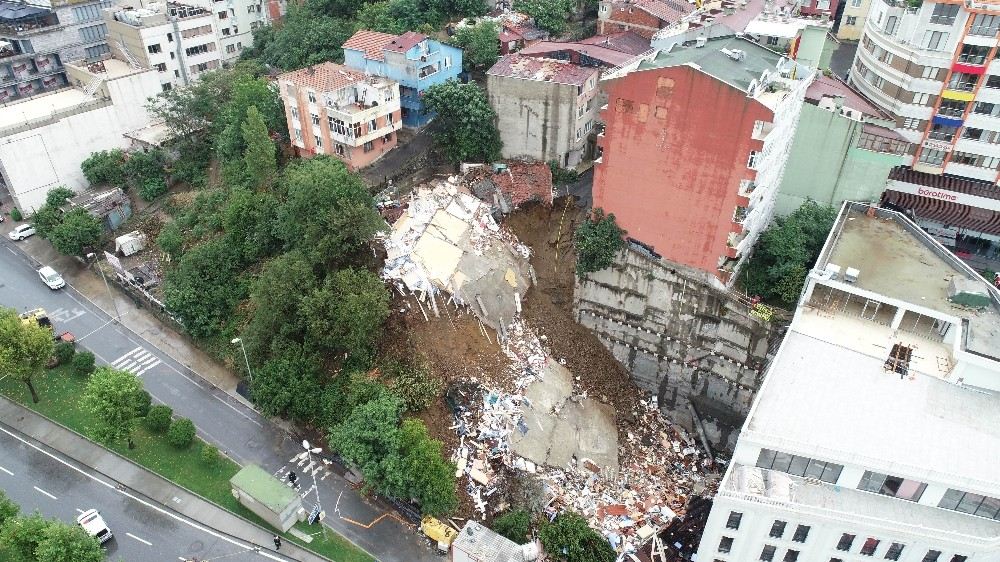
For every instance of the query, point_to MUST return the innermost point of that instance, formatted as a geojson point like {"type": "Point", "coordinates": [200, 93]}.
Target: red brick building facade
{"type": "Point", "coordinates": [643, 17]}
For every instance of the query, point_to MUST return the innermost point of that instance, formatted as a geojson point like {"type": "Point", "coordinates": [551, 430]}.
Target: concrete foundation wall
{"type": "Point", "coordinates": [681, 338]}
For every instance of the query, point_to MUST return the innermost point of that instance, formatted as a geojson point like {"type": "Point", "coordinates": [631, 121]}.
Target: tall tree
{"type": "Point", "coordinates": [275, 304]}
{"type": "Point", "coordinates": [480, 43]}
{"type": "Point", "coordinates": [466, 123]}
{"type": "Point", "coordinates": [112, 398]}
{"type": "Point", "coordinates": [346, 314]}
{"type": "Point", "coordinates": [77, 231]}
{"type": "Point", "coordinates": [307, 36]}
{"type": "Point", "coordinates": [25, 349]}
{"type": "Point", "coordinates": [550, 15]}
{"type": "Point", "coordinates": [205, 286]}
{"type": "Point", "coordinates": [288, 385]}
{"type": "Point", "coordinates": [19, 537]}
{"type": "Point", "coordinates": [68, 543]}
{"type": "Point", "coordinates": [370, 439]}
{"type": "Point", "coordinates": [248, 221]}
{"type": "Point", "coordinates": [259, 156]}
{"type": "Point", "coordinates": [8, 509]}
{"type": "Point", "coordinates": [598, 239]}
{"type": "Point", "coordinates": [428, 476]}
{"type": "Point", "coordinates": [105, 167]}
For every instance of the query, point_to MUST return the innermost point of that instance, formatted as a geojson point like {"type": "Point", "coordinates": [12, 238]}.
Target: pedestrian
{"type": "Point", "coordinates": [277, 542]}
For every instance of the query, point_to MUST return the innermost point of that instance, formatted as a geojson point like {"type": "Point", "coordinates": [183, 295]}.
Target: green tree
{"type": "Point", "coordinates": [105, 167]}
{"type": "Point", "coordinates": [8, 509]}
{"type": "Point", "coordinates": [480, 43]}
{"type": "Point", "coordinates": [144, 166]}
{"type": "Point", "coordinates": [515, 525]}
{"type": "Point", "coordinates": [247, 91]}
{"type": "Point", "coordinates": [288, 385]}
{"type": "Point", "coordinates": [158, 419]}
{"type": "Point", "coordinates": [569, 538]}
{"type": "Point", "coordinates": [550, 15]}
{"type": "Point", "coordinates": [25, 348]}
{"type": "Point", "coordinates": [58, 196]}
{"type": "Point", "coordinates": [427, 476]}
{"type": "Point", "coordinates": [259, 156]}
{"type": "Point", "coordinates": [369, 438]}
{"type": "Point", "coordinates": [170, 240]}
{"type": "Point", "coordinates": [83, 364]}
{"type": "Point", "coordinates": [152, 188]}
{"type": "Point", "coordinates": [64, 352]}
{"type": "Point", "coordinates": [305, 37]}
{"type": "Point", "coordinates": [68, 543]}
{"type": "Point", "coordinates": [275, 303]}
{"type": "Point", "coordinates": [328, 213]}
{"type": "Point", "coordinates": [209, 455]}
{"type": "Point", "coordinates": [598, 239]}
{"type": "Point", "coordinates": [48, 217]}
{"type": "Point", "coordinates": [412, 381]}
{"type": "Point", "coordinates": [786, 251]}
{"type": "Point", "coordinates": [113, 399]}
{"type": "Point", "coordinates": [248, 221]}
{"type": "Point", "coordinates": [204, 287]}
{"type": "Point", "coordinates": [144, 402]}
{"type": "Point", "coordinates": [181, 433]}
{"type": "Point", "coordinates": [466, 123]}
{"type": "Point", "coordinates": [19, 537]}
{"type": "Point", "coordinates": [77, 231]}
{"type": "Point", "coordinates": [346, 314]}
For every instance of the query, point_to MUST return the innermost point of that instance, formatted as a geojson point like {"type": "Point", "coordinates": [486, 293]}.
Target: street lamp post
{"type": "Point", "coordinates": [93, 256]}
{"type": "Point", "coordinates": [245, 358]}
{"type": "Point", "coordinates": [309, 453]}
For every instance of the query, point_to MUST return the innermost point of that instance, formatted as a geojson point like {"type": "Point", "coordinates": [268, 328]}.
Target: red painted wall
{"type": "Point", "coordinates": [811, 8]}
{"type": "Point", "coordinates": [676, 144]}
{"type": "Point", "coordinates": [623, 17]}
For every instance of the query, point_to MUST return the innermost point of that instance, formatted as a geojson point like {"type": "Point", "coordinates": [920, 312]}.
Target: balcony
{"type": "Point", "coordinates": [962, 86]}
{"type": "Point", "coordinates": [40, 19]}
{"type": "Point", "coordinates": [426, 71]}
{"type": "Point", "coordinates": [747, 187]}
{"type": "Point", "coordinates": [740, 215]}
{"type": "Point", "coordinates": [983, 30]}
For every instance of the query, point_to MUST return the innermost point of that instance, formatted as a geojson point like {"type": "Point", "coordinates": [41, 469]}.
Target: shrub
{"type": "Point", "coordinates": [209, 455]}
{"type": "Point", "coordinates": [515, 525]}
{"type": "Point", "coordinates": [152, 188]}
{"type": "Point", "coordinates": [15, 215]}
{"type": "Point", "coordinates": [143, 401]}
{"type": "Point", "coordinates": [597, 240]}
{"type": "Point", "coordinates": [83, 363]}
{"type": "Point", "coordinates": [413, 382]}
{"type": "Point", "coordinates": [181, 433]}
{"type": "Point", "coordinates": [158, 418]}
{"type": "Point", "coordinates": [105, 167]}
{"type": "Point", "coordinates": [64, 352]}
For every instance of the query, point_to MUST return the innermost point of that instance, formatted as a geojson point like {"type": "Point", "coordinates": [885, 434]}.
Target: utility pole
{"type": "Point", "coordinates": [114, 303]}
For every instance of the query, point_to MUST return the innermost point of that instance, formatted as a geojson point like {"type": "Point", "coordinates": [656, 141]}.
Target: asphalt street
{"type": "Point", "coordinates": [245, 435]}
{"type": "Point", "coordinates": [43, 480]}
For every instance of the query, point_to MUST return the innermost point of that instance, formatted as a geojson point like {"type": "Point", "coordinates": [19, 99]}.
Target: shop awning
{"type": "Point", "coordinates": [946, 212]}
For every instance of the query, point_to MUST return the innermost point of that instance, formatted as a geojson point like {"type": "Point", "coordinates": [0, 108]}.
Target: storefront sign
{"type": "Point", "coordinates": [937, 145]}
{"type": "Point", "coordinates": [945, 195]}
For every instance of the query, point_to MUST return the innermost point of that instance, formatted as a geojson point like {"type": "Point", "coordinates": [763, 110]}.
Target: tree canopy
{"type": "Point", "coordinates": [570, 539]}
{"type": "Point", "coordinates": [205, 286]}
{"type": "Point", "coordinates": [25, 348]}
{"type": "Point", "coordinates": [105, 167]}
{"type": "Point", "coordinates": [465, 124]}
{"type": "Point", "coordinates": [77, 231]}
{"type": "Point", "coordinates": [345, 314]}
{"type": "Point", "coordinates": [480, 44]}
{"type": "Point", "coordinates": [550, 15]}
{"type": "Point", "coordinates": [598, 239]}
{"type": "Point", "coordinates": [113, 398]}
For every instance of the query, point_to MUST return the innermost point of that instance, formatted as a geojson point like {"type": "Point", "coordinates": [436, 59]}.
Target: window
{"type": "Point", "coordinates": [984, 24]}
{"type": "Point", "coordinates": [929, 72]}
{"type": "Point", "coordinates": [801, 533]}
{"type": "Point", "coordinates": [791, 556]}
{"type": "Point", "coordinates": [153, 49]}
{"type": "Point", "coordinates": [230, 49]}
{"type": "Point", "coordinates": [225, 32]}
{"type": "Point", "coordinates": [911, 123]}
{"type": "Point", "coordinates": [952, 108]}
{"type": "Point", "coordinates": [932, 157]}
{"type": "Point", "coordinates": [199, 49]}
{"type": "Point", "coordinates": [579, 132]}
{"type": "Point", "coordinates": [767, 554]}
{"type": "Point", "coordinates": [931, 556]}
{"type": "Point", "coordinates": [171, 55]}
{"type": "Point", "coordinates": [387, 139]}
{"type": "Point", "coordinates": [856, 3]}
{"type": "Point", "coordinates": [337, 126]}
{"type": "Point", "coordinates": [223, 15]}
{"type": "Point", "coordinates": [845, 542]}
{"type": "Point", "coordinates": [894, 552]}
{"type": "Point", "coordinates": [91, 12]}
{"type": "Point", "coordinates": [726, 544]}
{"type": "Point", "coordinates": [852, 20]}
{"type": "Point", "coordinates": [972, 133]}
{"type": "Point", "coordinates": [177, 73]}
{"type": "Point", "coordinates": [920, 99]}
{"type": "Point", "coordinates": [166, 86]}
{"type": "Point", "coordinates": [93, 33]}
{"type": "Point", "coordinates": [355, 130]}
{"type": "Point", "coordinates": [983, 108]}
{"type": "Point", "coordinates": [993, 81]}
{"type": "Point", "coordinates": [752, 163]}
{"type": "Point", "coordinates": [298, 135]}
{"type": "Point", "coordinates": [447, 62]}
{"type": "Point", "coordinates": [894, 486]}
{"type": "Point", "coordinates": [369, 146]}
{"type": "Point", "coordinates": [295, 113]}
{"type": "Point", "coordinates": [315, 118]}
{"type": "Point", "coordinates": [936, 40]}
{"type": "Point", "coordinates": [372, 126]}
{"type": "Point", "coordinates": [973, 504]}
{"type": "Point", "coordinates": [97, 51]}
{"type": "Point", "coordinates": [959, 558]}
{"type": "Point", "coordinates": [312, 97]}
{"type": "Point", "coordinates": [798, 466]}
{"type": "Point", "coordinates": [944, 14]}
{"type": "Point", "coordinates": [772, 40]}
{"type": "Point", "coordinates": [891, 23]}
{"type": "Point", "coordinates": [161, 67]}
{"type": "Point", "coordinates": [388, 120]}
{"type": "Point", "coordinates": [170, 38]}
{"type": "Point", "coordinates": [319, 141]}
{"type": "Point", "coordinates": [734, 520]}
{"type": "Point", "coordinates": [340, 149]}
{"type": "Point", "coordinates": [870, 546]}
{"type": "Point", "coordinates": [778, 529]}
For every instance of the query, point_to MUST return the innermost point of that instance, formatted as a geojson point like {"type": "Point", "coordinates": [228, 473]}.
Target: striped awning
{"type": "Point", "coordinates": [946, 212]}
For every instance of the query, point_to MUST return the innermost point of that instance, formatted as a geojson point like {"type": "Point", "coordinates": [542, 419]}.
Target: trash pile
{"type": "Point", "coordinates": [659, 465]}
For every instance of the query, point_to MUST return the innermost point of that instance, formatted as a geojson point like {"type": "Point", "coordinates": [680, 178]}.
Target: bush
{"type": "Point", "coordinates": [105, 167]}
{"type": "Point", "coordinates": [597, 240]}
{"type": "Point", "coordinates": [181, 433]}
{"type": "Point", "coordinates": [569, 538]}
{"type": "Point", "coordinates": [515, 525]}
{"type": "Point", "coordinates": [209, 455]}
{"type": "Point", "coordinates": [64, 352]}
{"type": "Point", "coordinates": [83, 363]}
{"type": "Point", "coordinates": [143, 401]}
{"type": "Point", "coordinates": [413, 382]}
{"type": "Point", "coordinates": [152, 188]}
{"type": "Point", "coordinates": [15, 215]}
{"type": "Point", "coordinates": [158, 418]}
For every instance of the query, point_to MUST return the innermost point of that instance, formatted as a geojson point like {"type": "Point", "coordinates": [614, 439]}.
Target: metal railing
{"type": "Point", "coordinates": [972, 59]}
{"type": "Point", "coordinates": [962, 86]}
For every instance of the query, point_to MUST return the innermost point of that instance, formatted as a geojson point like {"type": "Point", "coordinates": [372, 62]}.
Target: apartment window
{"type": "Point", "coordinates": [388, 120]}
{"type": "Point", "coordinates": [387, 139]}
{"type": "Point", "coordinates": [799, 466]}
{"type": "Point", "coordinates": [984, 24]}
{"type": "Point", "coordinates": [767, 553]}
{"type": "Point", "coordinates": [801, 533]}
{"type": "Point", "coordinates": [852, 20]}
{"type": "Point", "coordinates": [177, 73]}
{"type": "Point", "coordinates": [337, 126]}
{"type": "Point", "coordinates": [312, 97]}
{"type": "Point", "coordinates": [931, 556]}
{"type": "Point", "coordinates": [171, 55]}
{"type": "Point", "coordinates": [97, 51]}
{"type": "Point", "coordinates": [340, 149]}
{"type": "Point", "coordinates": [725, 545]}
{"type": "Point", "coordinates": [372, 126]}
{"type": "Point", "coordinates": [295, 113]}
{"type": "Point", "coordinates": [929, 72]}
{"type": "Point", "coordinates": [972, 133]}
{"type": "Point", "coordinates": [315, 118]}
{"type": "Point", "coordinates": [993, 81]}
{"type": "Point", "coordinates": [920, 98]}
{"type": "Point", "coordinates": [166, 87]}
{"type": "Point", "coordinates": [199, 49]}
{"type": "Point", "coordinates": [894, 552]}
{"type": "Point", "coordinates": [791, 556]}
{"type": "Point", "coordinates": [965, 502]}
{"type": "Point", "coordinates": [959, 558]}
{"type": "Point", "coordinates": [298, 135]}
{"type": "Point", "coordinates": [777, 529]}
{"type": "Point", "coordinates": [223, 15]}
{"type": "Point", "coordinates": [932, 157]}
{"type": "Point", "coordinates": [911, 123]}
{"type": "Point", "coordinates": [161, 67]}
{"type": "Point", "coordinates": [944, 14]}
{"type": "Point", "coordinates": [856, 3]}
{"type": "Point", "coordinates": [355, 130]}
{"type": "Point", "coordinates": [752, 162]}
{"type": "Point", "coordinates": [230, 49]}
{"type": "Point", "coordinates": [870, 546]}
{"type": "Point", "coordinates": [225, 32]}
{"type": "Point", "coordinates": [734, 520]}
{"type": "Point", "coordinates": [936, 40]}
{"type": "Point", "coordinates": [170, 38]}
{"type": "Point", "coordinates": [319, 141]}
{"type": "Point", "coordinates": [943, 133]}
{"type": "Point", "coordinates": [579, 132]}
{"type": "Point", "coordinates": [447, 62]}
{"type": "Point", "coordinates": [891, 23]}
{"type": "Point", "coordinates": [983, 108]}
{"type": "Point", "coordinates": [845, 542]}
{"type": "Point", "coordinates": [153, 49]}
{"type": "Point", "coordinates": [89, 13]}
{"type": "Point", "coordinates": [369, 146]}
{"type": "Point", "coordinates": [893, 486]}
{"type": "Point", "coordinates": [772, 40]}
{"type": "Point", "coordinates": [952, 108]}
{"type": "Point", "coordinates": [93, 33]}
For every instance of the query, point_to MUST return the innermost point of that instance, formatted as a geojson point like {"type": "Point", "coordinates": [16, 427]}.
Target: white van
{"type": "Point", "coordinates": [94, 525]}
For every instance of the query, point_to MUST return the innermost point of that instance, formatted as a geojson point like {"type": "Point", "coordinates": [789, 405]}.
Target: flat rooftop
{"type": "Point", "coordinates": [113, 68]}
{"type": "Point", "coordinates": [840, 403]}
{"type": "Point", "coordinates": [901, 262]}
{"type": "Point", "coordinates": [39, 107]}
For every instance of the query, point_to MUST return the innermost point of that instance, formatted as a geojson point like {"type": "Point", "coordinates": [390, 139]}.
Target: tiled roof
{"type": "Point", "coordinates": [666, 10]}
{"type": "Point", "coordinates": [541, 69]}
{"type": "Point", "coordinates": [831, 86]}
{"type": "Point", "coordinates": [525, 181]}
{"type": "Point", "coordinates": [607, 56]}
{"type": "Point", "coordinates": [624, 42]}
{"type": "Point", "coordinates": [326, 77]}
{"type": "Point", "coordinates": [372, 43]}
{"type": "Point", "coordinates": [404, 42]}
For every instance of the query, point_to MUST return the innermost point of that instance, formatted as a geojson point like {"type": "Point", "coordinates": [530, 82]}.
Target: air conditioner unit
{"type": "Point", "coordinates": [833, 270]}
{"type": "Point", "coordinates": [851, 275]}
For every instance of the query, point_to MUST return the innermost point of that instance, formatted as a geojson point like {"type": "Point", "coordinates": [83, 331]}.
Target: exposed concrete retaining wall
{"type": "Point", "coordinates": [681, 337]}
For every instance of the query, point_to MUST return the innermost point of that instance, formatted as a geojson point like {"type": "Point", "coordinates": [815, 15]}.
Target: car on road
{"type": "Point", "coordinates": [51, 278]}
{"type": "Point", "coordinates": [94, 525]}
{"type": "Point", "coordinates": [21, 232]}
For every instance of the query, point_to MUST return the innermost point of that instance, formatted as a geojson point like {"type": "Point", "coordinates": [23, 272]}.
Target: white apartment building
{"type": "Point", "coordinates": [876, 433]}
{"type": "Point", "coordinates": [236, 20]}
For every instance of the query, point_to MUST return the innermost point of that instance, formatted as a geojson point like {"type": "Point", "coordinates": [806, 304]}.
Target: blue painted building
{"type": "Point", "coordinates": [412, 59]}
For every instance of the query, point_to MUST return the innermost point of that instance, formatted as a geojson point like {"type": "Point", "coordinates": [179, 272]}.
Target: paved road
{"type": "Point", "coordinates": [40, 479]}
{"type": "Point", "coordinates": [241, 432]}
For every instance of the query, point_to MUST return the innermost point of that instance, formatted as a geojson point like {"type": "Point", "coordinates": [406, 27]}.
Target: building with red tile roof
{"type": "Point", "coordinates": [332, 109]}
{"type": "Point", "coordinates": [644, 17]}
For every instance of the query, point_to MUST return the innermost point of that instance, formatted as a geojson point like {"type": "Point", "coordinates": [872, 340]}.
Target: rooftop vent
{"type": "Point", "coordinates": [851, 275]}
{"type": "Point", "coordinates": [833, 270]}
{"type": "Point", "coordinates": [700, 41]}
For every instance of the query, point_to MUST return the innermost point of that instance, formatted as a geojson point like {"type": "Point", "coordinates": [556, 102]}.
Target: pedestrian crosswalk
{"type": "Point", "coordinates": [137, 361]}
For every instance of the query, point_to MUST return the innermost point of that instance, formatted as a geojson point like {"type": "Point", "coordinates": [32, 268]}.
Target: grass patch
{"type": "Point", "coordinates": [59, 392]}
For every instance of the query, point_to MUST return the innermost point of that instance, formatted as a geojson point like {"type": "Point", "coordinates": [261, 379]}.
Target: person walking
{"type": "Point", "coordinates": [277, 542]}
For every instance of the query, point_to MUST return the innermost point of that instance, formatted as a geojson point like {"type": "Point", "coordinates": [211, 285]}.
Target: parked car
{"type": "Point", "coordinates": [94, 525]}
{"type": "Point", "coordinates": [21, 232]}
{"type": "Point", "coordinates": [51, 278]}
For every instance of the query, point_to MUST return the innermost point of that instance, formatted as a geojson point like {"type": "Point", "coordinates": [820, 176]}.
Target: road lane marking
{"type": "Point", "coordinates": [44, 492]}
{"type": "Point", "coordinates": [143, 541]}
{"type": "Point", "coordinates": [253, 421]}
{"type": "Point", "coordinates": [137, 361]}
{"type": "Point", "coordinates": [7, 471]}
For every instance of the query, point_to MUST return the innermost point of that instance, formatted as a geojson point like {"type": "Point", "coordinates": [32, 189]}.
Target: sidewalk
{"type": "Point", "coordinates": [137, 479]}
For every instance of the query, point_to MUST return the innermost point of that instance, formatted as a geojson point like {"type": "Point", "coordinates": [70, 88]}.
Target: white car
{"type": "Point", "coordinates": [51, 278]}
{"type": "Point", "coordinates": [21, 232]}
{"type": "Point", "coordinates": [94, 525]}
